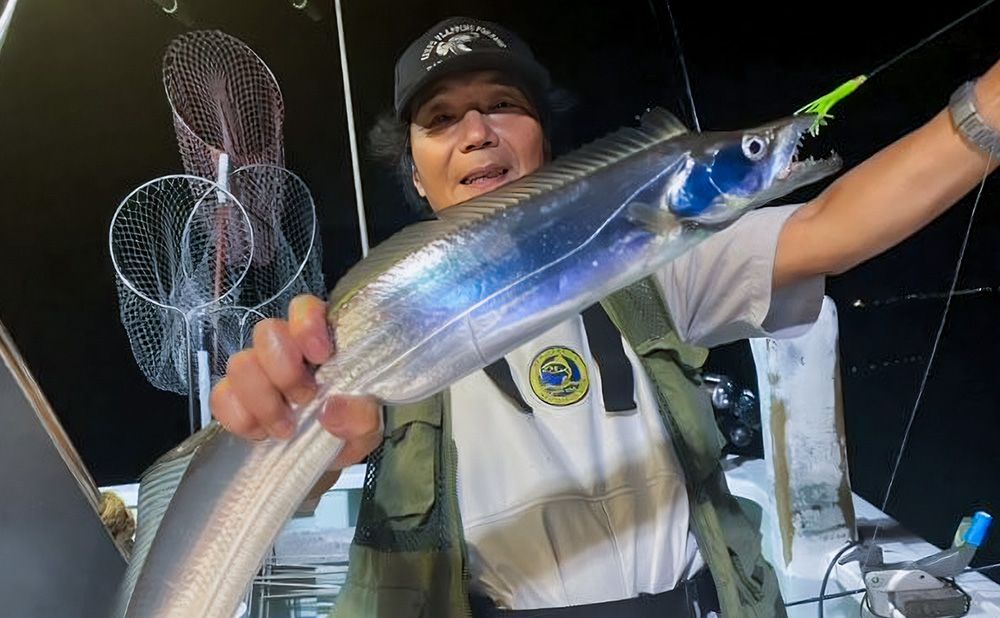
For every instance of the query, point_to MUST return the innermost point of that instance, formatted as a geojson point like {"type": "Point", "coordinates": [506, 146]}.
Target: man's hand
{"type": "Point", "coordinates": [253, 399]}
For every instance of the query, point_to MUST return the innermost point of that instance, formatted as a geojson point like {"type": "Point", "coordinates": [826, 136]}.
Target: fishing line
{"type": "Point", "coordinates": [930, 38]}
{"type": "Point", "coordinates": [828, 597]}
{"type": "Point", "coordinates": [982, 568]}
{"type": "Point", "coordinates": [934, 349]}
{"type": "Point", "coordinates": [821, 106]}
{"type": "Point", "coordinates": [684, 70]}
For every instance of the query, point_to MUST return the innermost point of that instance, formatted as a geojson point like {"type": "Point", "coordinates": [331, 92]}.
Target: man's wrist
{"type": "Point", "coordinates": [969, 119]}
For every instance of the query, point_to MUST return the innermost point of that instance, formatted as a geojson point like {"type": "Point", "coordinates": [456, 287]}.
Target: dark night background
{"type": "Point", "coordinates": [84, 120]}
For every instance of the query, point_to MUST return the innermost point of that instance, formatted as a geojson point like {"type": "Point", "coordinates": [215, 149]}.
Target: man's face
{"type": "Point", "coordinates": [471, 134]}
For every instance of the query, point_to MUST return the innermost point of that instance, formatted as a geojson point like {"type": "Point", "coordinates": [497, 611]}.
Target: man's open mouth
{"type": "Point", "coordinates": [484, 174]}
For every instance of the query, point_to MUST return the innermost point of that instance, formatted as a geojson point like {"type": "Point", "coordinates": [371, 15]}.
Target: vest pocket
{"type": "Point", "coordinates": [357, 600]}
{"type": "Point", "coordinates": [408, 558]}
{"type": "Point", "coordinates": [407, 470]}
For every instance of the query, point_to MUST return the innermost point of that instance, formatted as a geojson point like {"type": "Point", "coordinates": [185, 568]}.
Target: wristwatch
{"type": "Point", "coordinates": [968, 121]}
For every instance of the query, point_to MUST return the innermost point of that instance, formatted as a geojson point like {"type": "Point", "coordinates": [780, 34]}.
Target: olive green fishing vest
{"type": "Point", "coordinates": [408, 558]}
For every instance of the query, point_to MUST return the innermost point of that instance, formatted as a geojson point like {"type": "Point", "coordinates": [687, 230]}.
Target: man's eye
{"type": "Point", "coordinates": [440, 119]}
{"type": "Point", "coordinates": [501, 105]}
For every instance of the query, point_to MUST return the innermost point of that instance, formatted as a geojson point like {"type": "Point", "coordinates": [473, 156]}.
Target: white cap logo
{"type": "Point", "coordinates": [456, 40]}
{"type": "Point", "coordinates": [456, 44]}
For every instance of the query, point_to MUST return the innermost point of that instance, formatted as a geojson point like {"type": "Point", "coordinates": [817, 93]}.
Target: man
{"type": "Point", "coordinates": [569, 498]}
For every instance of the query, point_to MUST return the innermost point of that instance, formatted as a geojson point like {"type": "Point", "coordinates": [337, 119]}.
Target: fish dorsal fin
{"type": "Point", "coordinates": [659, 121]}
{"type": "Point", "coordinates": [656, 126]}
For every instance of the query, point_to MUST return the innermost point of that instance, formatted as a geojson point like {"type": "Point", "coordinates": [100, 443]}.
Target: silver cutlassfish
{"type": "Point", "coordinates": [444, 298]}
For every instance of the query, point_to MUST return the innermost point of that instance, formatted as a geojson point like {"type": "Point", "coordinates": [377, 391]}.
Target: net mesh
{"type": "Point", "coordinates": [287, 259]}
{"type": "Point", "coordinates": [203, 257]}
{"type": "Point", "coordinates": [179, 245]}
{"type": "Point", "coordinates": [224, 100]}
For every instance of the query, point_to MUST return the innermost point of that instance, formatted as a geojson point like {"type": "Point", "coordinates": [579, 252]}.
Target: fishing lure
{"type": "Point", "coordinates": [821, 107]}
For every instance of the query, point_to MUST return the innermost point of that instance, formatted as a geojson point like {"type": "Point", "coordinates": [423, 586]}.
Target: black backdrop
{"type": "Point", "coordinates": [84, 120]}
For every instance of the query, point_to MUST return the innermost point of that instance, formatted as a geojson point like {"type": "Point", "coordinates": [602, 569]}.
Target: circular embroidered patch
{"type": "Point", "coordinates": [559, 376]}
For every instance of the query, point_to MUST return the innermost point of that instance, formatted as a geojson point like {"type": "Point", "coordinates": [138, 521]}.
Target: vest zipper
{"type": "Point", "coordinates": [457, 522]}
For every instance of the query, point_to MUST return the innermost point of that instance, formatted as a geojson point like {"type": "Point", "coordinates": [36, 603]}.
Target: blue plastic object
{"type": "Point", "coordinates": [976, 533]}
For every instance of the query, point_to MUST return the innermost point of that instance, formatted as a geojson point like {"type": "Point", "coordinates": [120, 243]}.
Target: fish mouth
{"type": "Point", "coordinates": [797, 172]}
{"type": "Point", "coordinates": [788, 170]}
{"type": "Point", "coordinates": [803, 172]}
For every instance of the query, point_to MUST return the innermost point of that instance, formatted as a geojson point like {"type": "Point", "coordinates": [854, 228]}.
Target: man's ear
{"type": "Point", "coordinates": [416, 181]}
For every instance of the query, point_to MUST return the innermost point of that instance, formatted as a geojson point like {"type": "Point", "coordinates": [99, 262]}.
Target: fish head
{"type": "Point", "coordinates": [728, 173]}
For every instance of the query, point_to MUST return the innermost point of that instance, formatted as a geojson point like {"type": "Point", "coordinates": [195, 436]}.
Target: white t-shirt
{"type": "Point", "coordinates": [571, 505]}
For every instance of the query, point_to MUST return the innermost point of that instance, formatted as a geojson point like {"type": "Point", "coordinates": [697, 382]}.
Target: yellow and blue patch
{"type": "Point", "coordinates": [559, 376]}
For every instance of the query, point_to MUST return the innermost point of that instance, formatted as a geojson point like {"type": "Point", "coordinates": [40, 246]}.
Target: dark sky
{"type": "Point", "coordinates": [84, 120]}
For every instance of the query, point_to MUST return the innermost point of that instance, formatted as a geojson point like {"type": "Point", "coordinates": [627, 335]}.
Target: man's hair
{"type": "Point", "coordinates": [389, 142]}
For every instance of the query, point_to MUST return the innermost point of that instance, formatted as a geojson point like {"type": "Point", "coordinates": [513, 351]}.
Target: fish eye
{"type": "Point", "coordinates": [754, 147]}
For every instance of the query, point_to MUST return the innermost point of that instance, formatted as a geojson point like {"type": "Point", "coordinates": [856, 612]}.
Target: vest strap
{"type": "Point", "coordinates": [617, 379]}
{"type": "Point", "coordinates": [608, 352]}
{"type": "Point", "coordinates": [500, 373]}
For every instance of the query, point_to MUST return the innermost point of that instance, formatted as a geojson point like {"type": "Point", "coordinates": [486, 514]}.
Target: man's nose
{"type": "Point", "coordinates": [477, 131]}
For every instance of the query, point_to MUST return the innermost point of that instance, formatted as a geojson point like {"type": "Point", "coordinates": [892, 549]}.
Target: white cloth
{"type": "Point", "coordinates": [571, 505]}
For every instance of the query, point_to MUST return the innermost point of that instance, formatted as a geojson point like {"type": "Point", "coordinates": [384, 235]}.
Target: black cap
{"type": "Point", "coordinates": [466, 44]}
